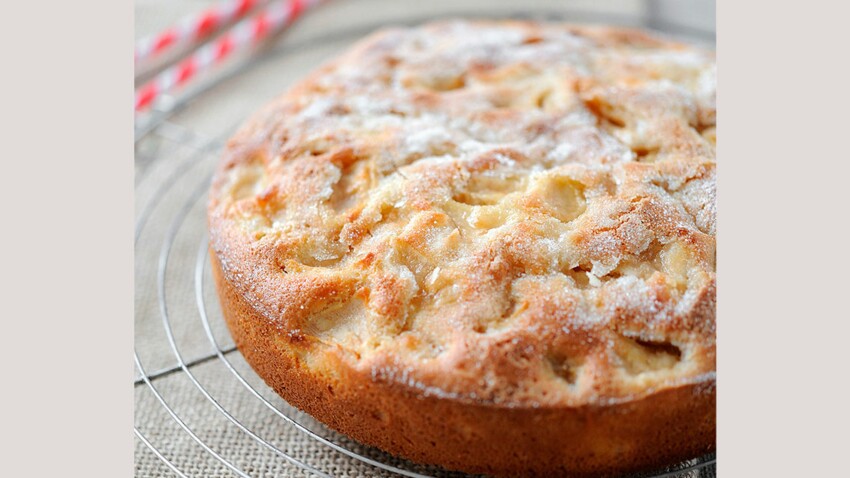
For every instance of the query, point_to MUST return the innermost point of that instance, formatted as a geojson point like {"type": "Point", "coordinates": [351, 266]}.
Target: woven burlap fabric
{"type": "Point", "coordinates": [172, 168]}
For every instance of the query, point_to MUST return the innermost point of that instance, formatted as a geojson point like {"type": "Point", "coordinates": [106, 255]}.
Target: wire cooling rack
{"type": "Point", "coordinates": [200, 409]}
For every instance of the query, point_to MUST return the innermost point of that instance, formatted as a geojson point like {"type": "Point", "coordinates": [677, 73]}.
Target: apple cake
{"type": "Point", "coordinates": [484, 245]}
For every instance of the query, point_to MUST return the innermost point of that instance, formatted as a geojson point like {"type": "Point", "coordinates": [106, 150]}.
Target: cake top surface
{"type": "Point", "coordinates": [515, 213]}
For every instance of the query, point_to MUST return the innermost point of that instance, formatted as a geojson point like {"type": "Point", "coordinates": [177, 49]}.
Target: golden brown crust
{"type": "Point", "coordinates": [592, 440]}
{"type": "Point", "coordinates": [508, 225]}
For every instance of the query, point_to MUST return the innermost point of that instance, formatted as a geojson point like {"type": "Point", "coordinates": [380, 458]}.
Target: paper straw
{"type": "Point", "coordinates": [193, 29]}
{"type": "Point", "coordinates": [241, 37]}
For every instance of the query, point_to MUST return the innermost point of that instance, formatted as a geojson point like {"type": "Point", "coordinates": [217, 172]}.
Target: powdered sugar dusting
{"type": "Point", "coordinates": [499, 190]}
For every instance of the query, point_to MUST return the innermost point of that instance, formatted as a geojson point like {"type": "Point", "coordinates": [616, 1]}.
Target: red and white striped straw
{"type": "Point", "coordinates": [244, 35]}
{"type": "Point", "coordinates": [194, 28]}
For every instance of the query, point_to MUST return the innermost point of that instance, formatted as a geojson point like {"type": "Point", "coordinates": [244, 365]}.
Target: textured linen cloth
{"type": "Point", "coordinates": [218, 414]}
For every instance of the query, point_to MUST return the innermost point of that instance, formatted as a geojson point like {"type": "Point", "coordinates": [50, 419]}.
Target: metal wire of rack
{"type": "Point", "coordinates": [213, 416]}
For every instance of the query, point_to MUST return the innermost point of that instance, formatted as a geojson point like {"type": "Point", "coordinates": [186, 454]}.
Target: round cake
{"type": "Point", "coordinates": [487, 245]}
